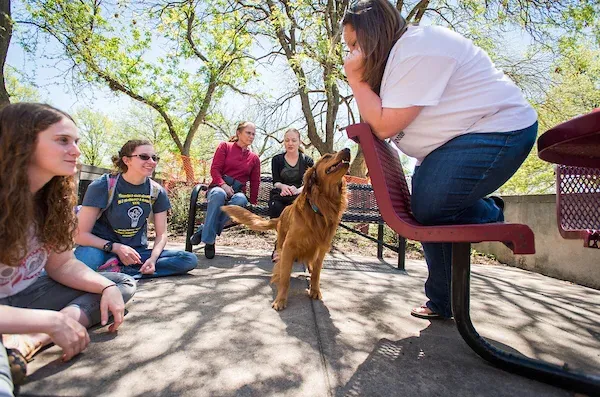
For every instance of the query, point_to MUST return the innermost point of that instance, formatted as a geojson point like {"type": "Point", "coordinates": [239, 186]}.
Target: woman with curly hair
{"type": "Point", "coordinates": [113, 220]}
{"type": "Point", "coordinates": [38, 156]}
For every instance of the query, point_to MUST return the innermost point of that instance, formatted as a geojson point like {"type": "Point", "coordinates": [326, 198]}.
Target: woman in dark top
{"type": "Point", "coordinates": [288, 170]}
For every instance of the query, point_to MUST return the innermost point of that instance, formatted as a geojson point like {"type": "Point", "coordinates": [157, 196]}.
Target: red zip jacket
{"type": "Point", "coordinates": [241, 164]}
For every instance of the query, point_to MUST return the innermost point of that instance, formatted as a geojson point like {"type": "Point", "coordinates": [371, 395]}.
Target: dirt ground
{"type": "Point", "coordinates": [344, 242]}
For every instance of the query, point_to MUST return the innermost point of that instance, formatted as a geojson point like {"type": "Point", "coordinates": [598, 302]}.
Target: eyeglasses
{"type": "Point", "coordinates": [146, 157]}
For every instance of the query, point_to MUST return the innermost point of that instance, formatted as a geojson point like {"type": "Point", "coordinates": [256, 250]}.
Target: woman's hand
{"type": "Point", "coordinates": [127, 255]}
{"type": "Point", "coordinates": [228, 190]}
{"type": "Point", "coordinates": [112, 301]}
{"type": "Point", "coordinates": [70, 336]}
{"type": "Point", "coordinates": [354, 65]}
{"type": "Point", "coordinates": [149, 267]}
{"type": "Point", "coordinates": [286, 190]}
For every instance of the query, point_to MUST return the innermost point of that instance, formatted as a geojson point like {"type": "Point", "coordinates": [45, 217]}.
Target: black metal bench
{"type": "Point", "coordinates": [362, 208]}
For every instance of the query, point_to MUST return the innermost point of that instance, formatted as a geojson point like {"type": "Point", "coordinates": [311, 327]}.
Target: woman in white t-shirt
{"type": "Point", "coordinates": [442, 101]}
{"type": "Point", "coordinates": [38, 157]}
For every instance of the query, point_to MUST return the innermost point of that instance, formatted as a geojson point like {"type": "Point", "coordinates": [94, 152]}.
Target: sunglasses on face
{"type": "Point", "coordinates": [146, 157]}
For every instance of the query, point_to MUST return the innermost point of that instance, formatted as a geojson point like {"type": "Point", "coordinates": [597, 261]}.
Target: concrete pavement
{"type": "Point", "coordinates": [213, 333]}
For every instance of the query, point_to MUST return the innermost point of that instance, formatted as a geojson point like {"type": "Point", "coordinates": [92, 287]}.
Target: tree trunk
{"type": "Point", "coordinates": [358, 166]}
{"type": "Point", "coordinates": [5, 35]}
{"type": "Point", "coordinates": [188, 169]}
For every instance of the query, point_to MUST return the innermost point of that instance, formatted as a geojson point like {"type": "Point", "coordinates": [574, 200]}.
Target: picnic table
{"type": "Point", "coordinates": [575, 147]}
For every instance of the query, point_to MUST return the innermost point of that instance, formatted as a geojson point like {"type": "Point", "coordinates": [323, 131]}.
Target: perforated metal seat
{"type": "Point", "coordinates": [578, 204]}
{"type": "Point", "coordinates": [575, 146]}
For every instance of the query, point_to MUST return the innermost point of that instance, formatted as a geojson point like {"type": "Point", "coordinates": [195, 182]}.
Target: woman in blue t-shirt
{"type": "Point", "coordinates": [112, 231]}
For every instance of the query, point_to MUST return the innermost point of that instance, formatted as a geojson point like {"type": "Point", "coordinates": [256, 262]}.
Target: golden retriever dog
{"type": "Point", "coordinates": [307, 226]}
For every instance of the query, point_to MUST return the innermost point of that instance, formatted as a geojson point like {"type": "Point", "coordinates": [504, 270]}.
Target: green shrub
{"type": "Point", "coordinates": [179, 196]}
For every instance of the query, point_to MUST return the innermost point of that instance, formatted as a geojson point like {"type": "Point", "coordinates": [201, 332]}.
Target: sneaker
{"type": "Point", "coordinates": [498, 201]}
{"type": "Point", "coordinates": [197, 237]}
{"type": "Point", "coordinates": [209, 251]}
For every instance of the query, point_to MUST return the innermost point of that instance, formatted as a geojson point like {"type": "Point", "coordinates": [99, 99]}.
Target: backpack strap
{"type": "Point", "coordinates": [154, 191]}
{"type": "Point", "coordinates": [111, 184]}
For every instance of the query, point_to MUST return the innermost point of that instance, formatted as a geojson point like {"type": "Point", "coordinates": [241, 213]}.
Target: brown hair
{"type": "Point", "coordinates": [127, 150]}
{"type": "Point", "coordinates": [300, 148]}
{"type": "Point", "coordinates": [241, 125]}
{"type": "Point", "coordinates": [51, 210]}
{"type": "Point", "coordinates": [378, 25]}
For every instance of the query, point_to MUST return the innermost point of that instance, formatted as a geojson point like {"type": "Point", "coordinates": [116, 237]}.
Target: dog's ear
{"type": "Point", "coordinates": [310, 179]}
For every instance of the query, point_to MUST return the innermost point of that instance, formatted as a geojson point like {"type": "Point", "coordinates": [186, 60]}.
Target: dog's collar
{"type": "Point", "coordinates": [314, 207]}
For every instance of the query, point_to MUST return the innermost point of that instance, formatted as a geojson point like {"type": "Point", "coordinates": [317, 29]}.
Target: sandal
{"type": "Point", "coordinates": [424, 312]}
{"type": "Point", "coordinates": [22, 344]}
{"type": "Point", "coordinates": [18, 366]}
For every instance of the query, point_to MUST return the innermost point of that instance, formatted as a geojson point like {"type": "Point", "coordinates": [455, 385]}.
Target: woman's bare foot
{"type": "Point", "coordinates": [27, 345]}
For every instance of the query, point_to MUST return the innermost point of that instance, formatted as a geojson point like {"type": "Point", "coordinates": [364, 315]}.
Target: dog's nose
{"type": "Point", "coordinates": [346, 150]}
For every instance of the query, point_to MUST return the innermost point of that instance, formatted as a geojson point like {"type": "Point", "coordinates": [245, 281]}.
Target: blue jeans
{"type": "Point", "coordinates": [449, 188]}
{"type": "Point", "coordinates": [169, 263]}
{"type": "Point", "coordinates": [47, 294]}
{"type": "Point", "coordinates": [215, 218]}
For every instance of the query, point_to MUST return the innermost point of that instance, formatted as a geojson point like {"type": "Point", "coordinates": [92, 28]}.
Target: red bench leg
{"type": "Point", "coordinates": [521, 365]}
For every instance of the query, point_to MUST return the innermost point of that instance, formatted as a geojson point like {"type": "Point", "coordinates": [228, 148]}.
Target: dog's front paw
{"type": "Point", "coordinates": [279, 304]}
{"type": "Point", "coordinates": [315, 294]}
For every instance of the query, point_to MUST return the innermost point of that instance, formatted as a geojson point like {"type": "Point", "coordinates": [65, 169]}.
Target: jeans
{"type": "Point", "coordinates": [449, 188]}
{"type": "Point", "coordinates": [215, 218]}
{"type": "Point", "coordinates": [169, 263]}
{"type": "Point", "coordinates": [47, 294]}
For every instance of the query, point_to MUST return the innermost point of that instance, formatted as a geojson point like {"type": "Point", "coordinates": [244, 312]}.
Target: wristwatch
{"type": "Point", "coordinates": [108, 246]}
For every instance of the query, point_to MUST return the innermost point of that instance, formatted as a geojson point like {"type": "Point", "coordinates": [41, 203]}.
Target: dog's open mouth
{"type": "Point", "coordinates": [337, 166]}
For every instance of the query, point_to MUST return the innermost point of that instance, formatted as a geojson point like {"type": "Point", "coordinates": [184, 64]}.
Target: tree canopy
{"type": "Point", "coordinates": [184, 60]}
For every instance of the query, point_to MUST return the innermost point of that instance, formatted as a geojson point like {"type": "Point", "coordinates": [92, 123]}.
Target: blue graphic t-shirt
{"type": "Point", "coordinates": [125, 221]}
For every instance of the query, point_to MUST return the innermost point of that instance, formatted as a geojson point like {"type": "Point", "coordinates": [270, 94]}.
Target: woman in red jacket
{"type": "Point", "coordinates": [232, 167]}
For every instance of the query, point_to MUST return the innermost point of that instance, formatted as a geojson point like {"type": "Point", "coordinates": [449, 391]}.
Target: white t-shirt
{"type": "Point", "coordinates": [15, 279]}
{"type": "Point", "coordinates": [458, 85]}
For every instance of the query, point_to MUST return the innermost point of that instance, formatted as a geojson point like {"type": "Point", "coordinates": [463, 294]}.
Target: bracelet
{"type": "Point", "coordinates": [108, 286]}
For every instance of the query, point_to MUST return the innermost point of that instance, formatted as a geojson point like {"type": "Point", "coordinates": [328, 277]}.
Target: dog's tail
{"type": "Point", "coordinates": [245, 217]}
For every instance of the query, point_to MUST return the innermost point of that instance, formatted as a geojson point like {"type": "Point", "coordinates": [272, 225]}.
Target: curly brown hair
{"type": "Point", "coordinates": [50, 211]}
{"type": "Point", "coordinates": [127, 150]}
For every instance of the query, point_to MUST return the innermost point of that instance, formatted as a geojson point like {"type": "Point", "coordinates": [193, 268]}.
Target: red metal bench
{"type": "Point", "coordinates": [575, 146]}
{"type": "Point", "coordinates": [393, 199]}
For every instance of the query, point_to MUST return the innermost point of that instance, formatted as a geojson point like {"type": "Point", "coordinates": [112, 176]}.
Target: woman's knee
{"type": "Point", "coordinates": [239, 199]}
{"type": "Point", "coordinates": [217, 194]}
{"type": "Point", "coordinates": [91, 256]}
{"type": "Point", "coordinates": [189, 261]}
{"type": "Point", "coordinates": [276, 207]}
{"type": "Point", "coordinates": [126, 284]}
